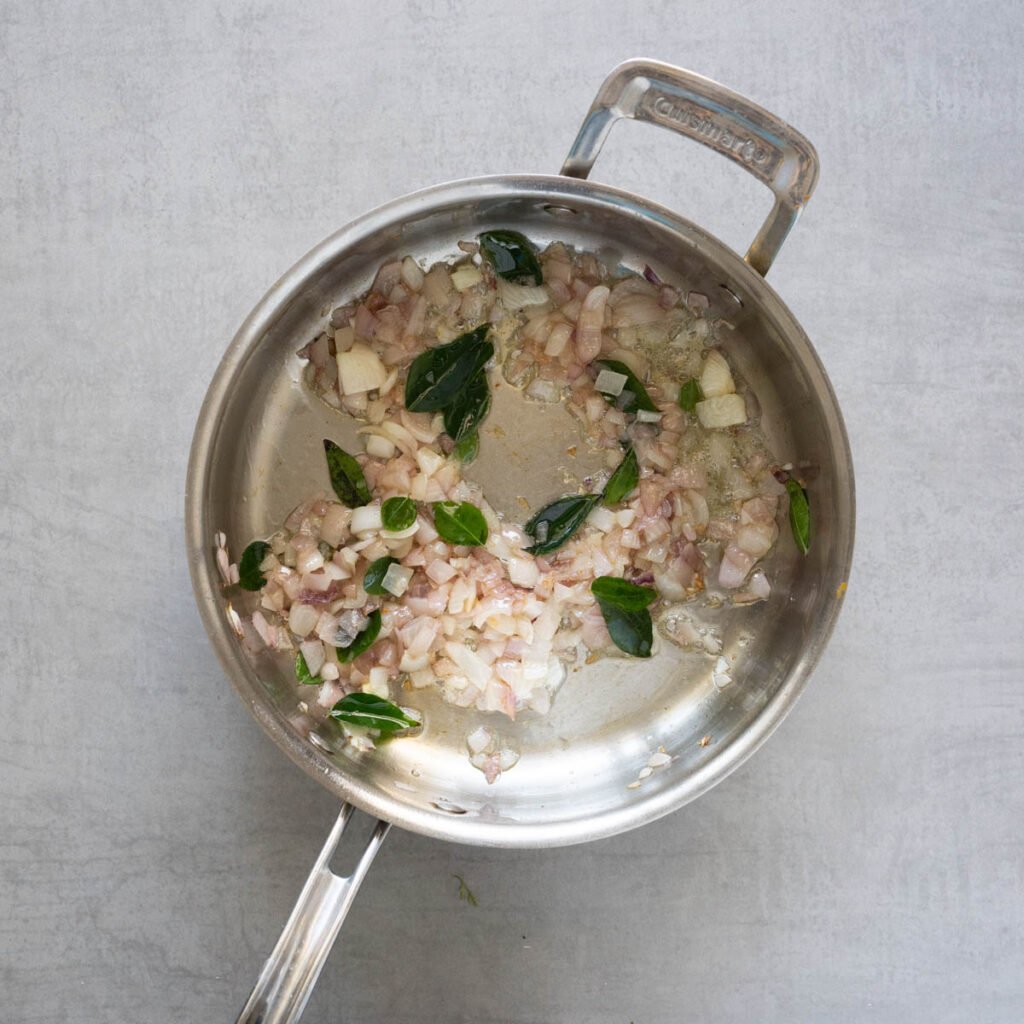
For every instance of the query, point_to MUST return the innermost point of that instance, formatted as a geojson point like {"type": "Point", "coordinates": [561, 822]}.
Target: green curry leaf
{"type": "Point", "coordinates": [623, 481]}
{"type": "Point", "coordinates": [460, 523]}
{"type": "Point", "coordinates": [512, 256]}
{"type": "Point", "coordinates": [398, 514]}
{"type": "Point", "coordinates": [346, 476]}
{"type": "Point", "coordinates": [373, 580]}
{"type": "Point", "coordinates": [624, 608]}
{"type": "Point", "coordinates": [250, 576]}
{"type": "Point", "coordinates": [372, 712]}
{"type": "Point", "coordinates": [690, 394]}
{"type": "Point", "coordinates": [438, 375]}
{"type": "Point", "coordinates": [555, 524]}
{"type": "Point", "coordinates": [799, 516]}
{"type": "Point", "coordinates": [634, 395]}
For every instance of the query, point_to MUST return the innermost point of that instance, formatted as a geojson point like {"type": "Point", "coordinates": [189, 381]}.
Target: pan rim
{"type": "Point", "coordinates": [642, 808]}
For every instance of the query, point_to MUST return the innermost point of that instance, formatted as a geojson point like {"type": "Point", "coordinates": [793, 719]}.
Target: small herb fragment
{"type": "Point", "coordinates": [690, 394]}
{"type": "Point", "coordinates": [250, 577]}
{"type": "Point", "coordinates": [554, 524]}
{"type": "Point", "coordinates": [623, 481]}
{"type": "Point", "coordinates": [512, 256]}
{"type": "Point", "coordinates": [624, 608]}
{"type": "Point", "coordinates": [438, 375]}
{"type": "Point", "coordinates": [372, 712]}
{"type": "Point", "coordinates": [468, 408]}
{"type": "Point", "coordinates": [467, 449]}
{"type": "Point", "coordinates": [302, 672]}
{"type": "Point", "coordinates": [634, 395]}
{"type": "Point", "coordinates": [376, 573]}
{"type": "Point", "coordinates": [346, 476]}
{"type": "Point", "coordinates": [799, 516]}
{"type": "Point", "coordinates": [465, 893]}
{"type": "Point", "coordinates": [363, 641]}
{"type": "Point", "coordinates": [460, 523]}
{"type": "Point", "coordinates": [398, 514]}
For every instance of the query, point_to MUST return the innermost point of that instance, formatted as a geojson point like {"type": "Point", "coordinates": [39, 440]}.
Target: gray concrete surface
{"type": "Point", "coordinates": [160, 164]}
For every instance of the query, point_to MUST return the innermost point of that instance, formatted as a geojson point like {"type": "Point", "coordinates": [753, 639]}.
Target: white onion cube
{"type": "Point", "coordinates": [379, 447]}
{"type": "Point", "coordinates": [716, 377]}
{"type": "Point", "coordinates": [360, 370]}
{"type": "Point", "coordinates": [396, 580]}
{"type": "Point", "coordinates": [465, 277]}
{"type": "Point", "coordinates": [602, 519]}
{"type": "Point", "coordinates": [523, 572]}
{"type": "Point", "coordinates": [722, 411]}
{"type": "Point", "coordinates": [610, 383]}
{"type": "Point", "coordinates": [366, 519]}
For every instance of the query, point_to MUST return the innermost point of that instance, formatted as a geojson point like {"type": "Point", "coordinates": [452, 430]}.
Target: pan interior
{"type": "Point", "coordinates": [258, 453]}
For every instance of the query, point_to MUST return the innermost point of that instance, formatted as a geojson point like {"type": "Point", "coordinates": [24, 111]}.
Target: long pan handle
{"type": "Point", "coordinates": [695, 106]}
{"type": "Point", "coordinates": [287, 979]}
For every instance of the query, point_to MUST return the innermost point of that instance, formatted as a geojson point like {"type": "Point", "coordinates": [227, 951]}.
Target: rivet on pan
{"type": "Point", "coordinates": [318, 742]}
{"type": "Point", "coordinates": [736, 298]}
{"type": "Point", "coordinates": [448, 807]}
{"type": "Point", "coordinates": [559, 211]}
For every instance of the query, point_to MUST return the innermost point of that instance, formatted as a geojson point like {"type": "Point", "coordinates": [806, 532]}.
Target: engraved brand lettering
{"type": "Point", "coordinates": [701, 124]}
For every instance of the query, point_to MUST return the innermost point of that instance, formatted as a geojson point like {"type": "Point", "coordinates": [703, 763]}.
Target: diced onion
{"type": "Point", "coordinates": [507, 758]}
{"type": "Point", "coordinates": [589, 324]}
{"type": "Point", "coordinates": [759, 585]}
{"type": "Point", "coordinates": [557, 340]}
{"type": "Point", "coordinates": [610, 383]}
{"type": "Point", "coordinates": [377, 683]}
{"type": "Point", "coordinates": [412, 275]}
{"type": "Point", "coordinates": [721, 676]}
{"type": "Point", "coordinates": [366, 518]}
{"type": "Point", "coordinates": [519, 296]}
{"type": "Point", "coordinates": [343, 339]}
{"type": "Point", "coordinates": [632, 359]}
{"type": "Point", "coordinates": [409, 531]}
{"type": "Point", "coordinates": [360, 370]}
{"type": "Point", "coordinates": [302, 618]}
{"type": "Point", "coordinates": [604, 519]}
{"type": "Point", "coordinates": [716, 377]}
{"type": "Point", "coordinates": [396, 580]}
{"type": "Point", "coordinates": [335, 525]}
{"type": "Point", "coordinates": [478, 740]}
{"type": "Point", "coordinates": [722, 411]}
{"type": "Point", "coordinates": [478, 671]}
{"type": "Point", "coordinates": [465, 277]}
{"type": "Point", "coordinates": [669, 586]}
{"type": "Point", "coordinates": [429, 461]}
{"type": "Point", "coordinates": [309, 561]}
{"type": "Point", "coordinates": [648, 416]}
{"type": "Point", "coordinates": [523, 572]}
{"type": "Point", "coordinates": [413, 662]}
{"type": "Point", "coordinates": [313, 652]}
{"type": "Point", "coordinates": [380, 447]}
{"type": "Point", "coordinates": [439, 571]}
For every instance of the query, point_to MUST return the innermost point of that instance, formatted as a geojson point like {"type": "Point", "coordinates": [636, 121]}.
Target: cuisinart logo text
{"type": "Point", "coordinates": [700, 125]}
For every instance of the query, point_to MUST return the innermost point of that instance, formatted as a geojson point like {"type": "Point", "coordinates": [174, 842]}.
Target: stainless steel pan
{"type": "Point", "coordinates": [256, 454]}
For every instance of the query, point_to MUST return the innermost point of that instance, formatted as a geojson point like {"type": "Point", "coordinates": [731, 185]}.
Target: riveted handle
{"type": "Point", "coordinates": [695, 106]}
{"type": "Point", "coordinates": [287, 979]}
